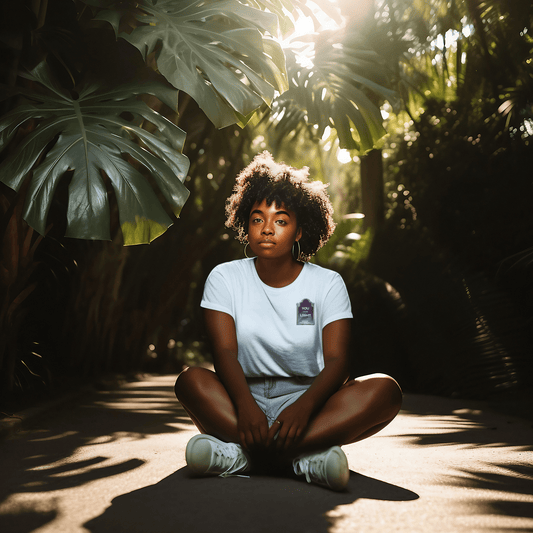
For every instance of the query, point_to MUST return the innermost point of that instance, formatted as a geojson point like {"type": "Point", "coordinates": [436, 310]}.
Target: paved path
{"type": "Point", "coordinates": [114, 462]}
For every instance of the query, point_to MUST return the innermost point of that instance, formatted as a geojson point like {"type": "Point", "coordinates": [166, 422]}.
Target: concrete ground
{"type": "Point", "coordinates": [113, 461]}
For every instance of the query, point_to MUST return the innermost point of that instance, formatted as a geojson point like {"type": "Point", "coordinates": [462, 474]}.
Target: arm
{"type": "Point", "coordinates": [295, 418]}
{"type": "Point", "coordinates": [251, 421]}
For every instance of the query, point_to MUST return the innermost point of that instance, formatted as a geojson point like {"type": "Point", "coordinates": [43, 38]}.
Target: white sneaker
{"type": "Point", "coordinates": [328, 468]}
{"type": "Point", "coordinates": [208, 456]}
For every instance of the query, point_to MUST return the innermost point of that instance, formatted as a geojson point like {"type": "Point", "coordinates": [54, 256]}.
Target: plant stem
{"type": "Point", "coordinates": [41, 13]}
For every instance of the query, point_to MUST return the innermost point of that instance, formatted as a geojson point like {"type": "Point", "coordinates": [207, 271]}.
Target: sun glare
{"type": "Point", "coordinates": [309, 25]}
{"type": "Point", "coordinates": [343, 156]}
{"type": "Point", "coordinates": [305, 25]}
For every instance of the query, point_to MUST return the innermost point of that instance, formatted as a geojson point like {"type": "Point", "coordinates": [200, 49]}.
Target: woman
{"type": "Point", "coordinates": [280, 327]}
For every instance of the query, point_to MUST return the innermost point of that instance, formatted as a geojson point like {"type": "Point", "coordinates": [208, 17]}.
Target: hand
{"type": "Point", "coordinates": [252, 425]}
{"type": "Point", "coordinates": [293, 422]}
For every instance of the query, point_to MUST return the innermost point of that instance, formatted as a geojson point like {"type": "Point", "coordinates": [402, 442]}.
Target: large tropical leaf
{"type": "Point", "coordinates": [216, 51]}
{"type": "Point", "coordinates": [333, 89]}
{"type": "Point", "coordinates": [90, 138]}
{"type": "Point", "coordinates": [282, 7]}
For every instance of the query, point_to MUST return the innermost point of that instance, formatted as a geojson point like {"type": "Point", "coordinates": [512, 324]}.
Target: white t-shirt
{"type": "Point", "coordinates": [279, 330]}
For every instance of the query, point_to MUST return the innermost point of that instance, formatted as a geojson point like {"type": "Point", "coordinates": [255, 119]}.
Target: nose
{"type": "Point", "coordinates": [267, 228]}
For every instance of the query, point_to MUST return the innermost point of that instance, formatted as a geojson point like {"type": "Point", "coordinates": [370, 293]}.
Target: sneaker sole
{"type": "Point", "coordinates": [190, 452]}
{"type": "Point", "coordinates": [198, 455]}
{"type": "Point", "coordinates": [341, 474]}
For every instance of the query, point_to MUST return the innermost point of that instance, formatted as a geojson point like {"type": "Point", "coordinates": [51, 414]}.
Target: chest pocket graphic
{"type": "Point", "coordinates": [305, 313]}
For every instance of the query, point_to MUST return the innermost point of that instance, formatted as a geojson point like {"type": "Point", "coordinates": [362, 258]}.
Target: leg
{"type": "Point", "coordinates": [206, 400]}
{"type": "Point", "coordinates": [359, 409]}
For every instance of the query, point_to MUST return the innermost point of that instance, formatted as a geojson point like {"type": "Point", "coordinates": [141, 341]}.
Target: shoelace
{"type": "Point", "coordinates": [307, 465]}
{"type": "Point", "coordinates": [229, 459]}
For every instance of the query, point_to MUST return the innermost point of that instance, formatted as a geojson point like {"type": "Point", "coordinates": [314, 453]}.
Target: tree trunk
{"type": "Point", "coordinates": [372, 190]}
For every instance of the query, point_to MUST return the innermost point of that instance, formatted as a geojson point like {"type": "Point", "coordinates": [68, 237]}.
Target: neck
{"type": "Point", "coordinates": [278, 272]}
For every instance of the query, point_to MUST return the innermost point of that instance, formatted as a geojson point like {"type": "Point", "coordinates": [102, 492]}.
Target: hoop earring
{"type": "Point", "coordinates": [297, 256]}
{"type": "Point", "coordinates": [245, 254]}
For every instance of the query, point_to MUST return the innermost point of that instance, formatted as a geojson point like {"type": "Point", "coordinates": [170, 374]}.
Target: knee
{"type": "Point", "coordinates": [391, 389]}
{"type": "Point", "coordinates": [390, 392]}
{"type": "Point", "coordinates": [189, 382]}
{"type": "Point", "coordinates": [384, 391]}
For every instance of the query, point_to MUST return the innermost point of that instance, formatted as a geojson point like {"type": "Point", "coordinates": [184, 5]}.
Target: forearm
{"type": "Point", "coordinates": [252, 424]}
{"type": "Point", "coordinates": [221, 329]}
{"type": "Point", "coordinates": [329, 380]}
{"type": "Point", "coordinates": [230, 372]}
{"type": "Point", "coordinates": [335, 337]}
{"type": "Point", "coordinates": [295, 418]}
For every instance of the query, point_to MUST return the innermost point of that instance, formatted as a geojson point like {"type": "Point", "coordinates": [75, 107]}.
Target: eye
{"type": "Point", "coordinates": [281, 222]}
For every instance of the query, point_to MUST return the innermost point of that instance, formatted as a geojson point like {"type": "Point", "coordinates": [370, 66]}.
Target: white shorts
{"type": "Point", "coordinates": [275, 394]}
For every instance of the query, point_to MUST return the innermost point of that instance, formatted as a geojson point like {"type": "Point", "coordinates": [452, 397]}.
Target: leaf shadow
{"type": "Point", "coordinates": [470, 423]}
{"type": "Point", "coordinates": [515, 480]}
{"type": "Point", "coordinates": [502, 473]}
{"type": "Point", "coordinates": [26, 518]}
{"type": "Point", "coordinates": [45, 456]}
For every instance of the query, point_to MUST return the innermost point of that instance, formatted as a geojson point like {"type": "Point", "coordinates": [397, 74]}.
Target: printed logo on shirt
{"type": "Point", "coordinates": [305, 313]}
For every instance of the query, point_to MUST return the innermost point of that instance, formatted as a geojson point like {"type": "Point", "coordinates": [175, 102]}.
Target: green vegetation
{"type": "Point", "coordinates": [458, 225]}
{"type": "Point", "coordinates": [114, 113]}
{"type": "Point", "coordinates": [119, 117]}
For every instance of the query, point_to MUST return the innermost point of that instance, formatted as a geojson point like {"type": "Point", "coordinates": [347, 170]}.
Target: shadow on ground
{"type": "Point", "coordinates": [46, 455]}
{"type": "Point", "coordinates": [478, 450]}
{"type": "Point", "coordinates": [258, 504]}
{"type": "Point", "coordinates": [475, 425]}
{"type": "Point", "coordinates": [515, 480]}
{"type": "Point", "coordinates": [510, 470]}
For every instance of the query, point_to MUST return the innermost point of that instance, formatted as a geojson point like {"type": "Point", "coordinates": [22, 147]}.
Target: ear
{"type": "Point", "coordinates": [298, 234]}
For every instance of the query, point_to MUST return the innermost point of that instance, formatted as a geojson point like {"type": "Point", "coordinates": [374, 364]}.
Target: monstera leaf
{"type": "Point", "coordinates": [215, 51]}
{"type": "Point", "coordinates": [332, 89]}
{"type": "Point", "coordinates": [282, 7]}
{"type": "Point", "coordinates": [88, 137]}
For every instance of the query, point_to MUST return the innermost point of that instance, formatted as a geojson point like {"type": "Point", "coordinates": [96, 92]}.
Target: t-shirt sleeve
{"type": "Point", "coordinates": [217, 295]}
{"type": "Point", "coordinates": [336, 304]}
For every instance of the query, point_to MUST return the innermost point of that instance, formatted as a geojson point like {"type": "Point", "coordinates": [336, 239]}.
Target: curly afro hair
{"type": "Point", "coordinates": [264, 179]}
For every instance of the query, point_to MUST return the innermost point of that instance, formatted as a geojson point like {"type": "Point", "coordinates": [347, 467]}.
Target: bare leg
{"type": "Point", "coordinates": [203, 396]}
{"type": "Point", "coordinates": [359, 409]}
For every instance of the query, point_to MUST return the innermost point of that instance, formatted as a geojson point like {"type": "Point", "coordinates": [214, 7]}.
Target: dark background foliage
{"type": "Point", "coordinates": [441, 283]}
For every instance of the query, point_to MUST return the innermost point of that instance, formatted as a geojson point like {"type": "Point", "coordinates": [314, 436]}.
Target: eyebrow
{"type": "Point", "coordinates": [258, 211]}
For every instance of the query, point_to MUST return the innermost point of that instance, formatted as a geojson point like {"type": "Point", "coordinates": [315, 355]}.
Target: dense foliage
{"type": "Point", "coordinates": [114, 113]}
{"type": "Point", "coordinates": [442, 290]}
{"type": "Point", "coordinates": [450, 271]}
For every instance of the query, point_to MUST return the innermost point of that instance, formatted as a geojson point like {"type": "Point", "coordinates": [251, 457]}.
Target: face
{"type": "Point", "coordinates": [272, 230]}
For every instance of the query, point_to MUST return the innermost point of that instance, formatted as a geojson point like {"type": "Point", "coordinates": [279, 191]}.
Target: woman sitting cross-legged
{"type": "Point", "coordinates": [280, 394]}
